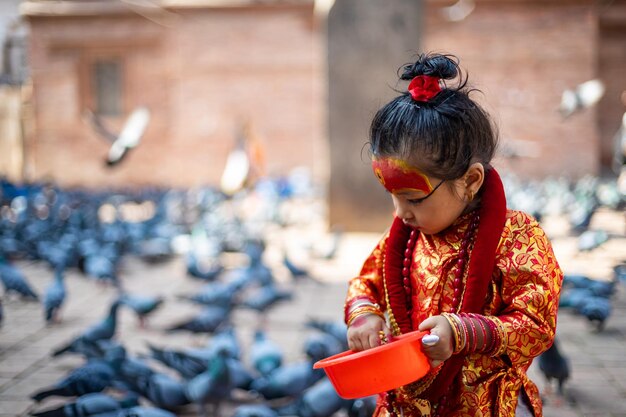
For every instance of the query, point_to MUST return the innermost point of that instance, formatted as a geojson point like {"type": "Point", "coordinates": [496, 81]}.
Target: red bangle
{"type": "Point", "coordinates": [481, 321]}
{"type": "Point", "coordinates": [494, 335]}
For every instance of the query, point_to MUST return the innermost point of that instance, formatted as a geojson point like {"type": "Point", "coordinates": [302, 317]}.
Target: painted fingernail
{"type": "Point", "coordinates": [430, 339]}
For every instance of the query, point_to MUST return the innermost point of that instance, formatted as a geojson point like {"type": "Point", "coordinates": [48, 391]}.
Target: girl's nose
{"type": "Point", "coordinates": [402, 210]}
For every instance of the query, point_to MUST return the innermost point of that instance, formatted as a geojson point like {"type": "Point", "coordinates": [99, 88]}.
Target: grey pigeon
{"type": "Point", "coordinates": [143, 412]}
{"type": "Point", "coordinates": [362, 407]}
{"type": "Point", "coordinates": [195, 269]}
{"type": "Point", "coordinates": [265, 297]}
{"type": "Point", "coordinates": [104, 329]}
{"type": "Point", "coordinates": [265, 356]}
{"type": "Point", "coordinates": [187, 365]}
{"type": "Point", "coordinates": [54, 297]}
{"type": "Point", "coordinates": [555, 366]}
{"type": "Point", "coordinates": [162, 390]}
{"type": "Point", "coordinates": [94, 376]}
{"type": "Point", "coordinates": [214, 293]}
{"type": "Point", "coordinates": [287, 381]}
{"type": "Point", "coordinates": [207, 321]}
{"type": "Point", "coordinates": [224, 339]}
{"type": "Point", "coordinates": [142, 305]}
{"type": "Point", "coordinates": [212, 386]}
{"type": "Point", "coordinates": [335, 328]}
{"type": "Point", "coordinates": [14, 281]}
{"type": "Point", "coordinates": [597, 310]}
{"type": "Point", "coordinates": [321, 345]}
{"type": "Point", "coordinates": [320, 400]}
{"type": "Point", "coordinates": [254, 410]}
{"type": "Point", "coordinates": [89, 405]}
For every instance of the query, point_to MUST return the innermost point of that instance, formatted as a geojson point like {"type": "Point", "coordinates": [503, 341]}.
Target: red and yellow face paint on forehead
{"type": "Point", "coordinates": [397, 176]}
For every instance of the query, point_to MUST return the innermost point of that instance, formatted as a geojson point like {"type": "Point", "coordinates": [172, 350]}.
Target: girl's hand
{"type": "Point", "coordinates": [364, 332]}
{"type": "Point", "coordinates": [441, 350]}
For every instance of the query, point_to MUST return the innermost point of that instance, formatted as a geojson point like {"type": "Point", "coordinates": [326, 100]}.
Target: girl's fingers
{"type": "Point", "coordinates": [427, 324]}
{"type": "Point", "coordinates": [373, 340]}
{"type": "Point", "coordinates": [435, 363]}
{"type": "Point", "coordinates": [355, 345]}
{"type": "Point", "coordinates": [430, 339]}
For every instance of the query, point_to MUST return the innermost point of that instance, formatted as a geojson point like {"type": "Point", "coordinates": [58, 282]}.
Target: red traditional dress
{"type": "Point", "coordinates": [521, 300]}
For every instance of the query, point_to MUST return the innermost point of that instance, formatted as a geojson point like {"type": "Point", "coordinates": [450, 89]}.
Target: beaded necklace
{"type": "Point", "coordinates": [460, 269]}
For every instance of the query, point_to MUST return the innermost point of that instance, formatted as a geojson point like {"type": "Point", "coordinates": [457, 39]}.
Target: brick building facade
{"type": "Point", "coordinates": [203, 71]}
{"type": "Point", "coordinates": [205, 67]}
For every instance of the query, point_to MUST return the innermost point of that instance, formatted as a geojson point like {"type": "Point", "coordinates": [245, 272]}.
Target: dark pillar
{"type": "Point", "coordinates": [368, 40]}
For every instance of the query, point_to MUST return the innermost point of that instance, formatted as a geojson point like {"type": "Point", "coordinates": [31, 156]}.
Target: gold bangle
{"type": "Point", "coordinates": [363, 310]}
{"type": "Point", "coordinates": [459, 337]}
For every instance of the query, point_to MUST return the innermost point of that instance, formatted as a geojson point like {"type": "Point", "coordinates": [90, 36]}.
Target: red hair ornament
{"type": "Point", "coordinates": [424, 87]}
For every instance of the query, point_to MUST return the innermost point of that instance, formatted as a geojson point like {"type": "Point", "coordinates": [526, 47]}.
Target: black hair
{"type": "Point", "coordinates": [446, 134]}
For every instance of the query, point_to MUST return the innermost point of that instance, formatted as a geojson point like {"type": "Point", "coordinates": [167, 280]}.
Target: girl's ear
{"type": "Point", "coordinates": [474, 178]}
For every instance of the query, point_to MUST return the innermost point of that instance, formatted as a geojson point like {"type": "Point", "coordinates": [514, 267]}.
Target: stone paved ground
{"type": "Point", "coordinates": [597, 387]}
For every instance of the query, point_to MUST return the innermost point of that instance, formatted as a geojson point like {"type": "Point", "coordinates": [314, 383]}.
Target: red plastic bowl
{"type": "Point", "coordinates": [372, 371]}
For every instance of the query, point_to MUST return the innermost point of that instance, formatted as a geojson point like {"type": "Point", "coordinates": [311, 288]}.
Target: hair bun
{"type": "Point", "coordinates": [437, 65]}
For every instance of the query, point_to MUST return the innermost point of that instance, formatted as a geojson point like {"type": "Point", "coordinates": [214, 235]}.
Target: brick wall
{"type": "Point", "coordinates": [202, 74]}
{"type": "Point", "coordinates": [521, 55]}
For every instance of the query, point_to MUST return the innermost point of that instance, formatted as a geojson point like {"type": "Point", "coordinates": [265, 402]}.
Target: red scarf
{"type": "Point", "coordinates": [481, 265]}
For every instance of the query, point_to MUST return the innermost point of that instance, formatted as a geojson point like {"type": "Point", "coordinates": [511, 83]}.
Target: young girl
{"type": "Point", "coordinates": [481, 279]}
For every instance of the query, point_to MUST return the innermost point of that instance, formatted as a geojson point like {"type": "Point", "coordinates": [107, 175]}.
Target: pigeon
{"type": "Point", "coordinates": [132, 369]}
{"type": "Point", "coordinates": [162, 390]}
{"type": "Point", "coordinates": [619, 272]}
{"type": "Point", "coordinates": [555, 366]}
{"type": "Point", "coordinates": [321, 345]}
{"type": "Point", "coordinates": [320, 400]}
{"type": "Point", "coordinates": [574, 298]}
{"type": "Point", "coordinates": [575, 281]}
{"type": "Point", "coordinates": [101, 268]}
{"type": "Point", "coordinates": [296, 271]}
{"type": "Point", "coordinates": [104, 329]}
{"type": "Point", "coordinates": [212, 386]}
{"type": "Point", "coordinates": [142, 305]}
{"type": "Point", "coordinates": [54, 297]}
{"type": "Point", "coordinates": [287, 381]}
{"type": "Point", "coordinates": [214, 293]}
{"type": "Point", "coordinates": [89, 405]}
{"type": "Point", "coordinates": [595, 287]}
{"type": "Point", "coordinates": [458, 11]}
{"type": "Point", "coordinates": [94, 376]}
{"type": "Point", "coordinates": [205, 273]}
{"type": "Point", "coordinates": [597, 310]}
{"type": "Point", "coordinates": [14, 281]}
{"type": "Point", "coordinates": [254, 410]}
{"type": "Point", "coordinates": [224, 339]}
{"type": "Point", "coordinates": [186, 364]}
{"type": "Point", "coordinates": [140, 411]}
{"type": "Point", "coordinates": [265, 356]}
{"type": "Point", "coordinates": [337, 329]}
{"type": "Point", "coordinates": [580, 216]}
{"type": "Point", "coordinates": [362, 407]}
{"type": "Point", "coordinates": [129, 136]}
{"type": "Point", "coordinates": [264, 298]}
{"type": "Point", "coordinates": [328, 250]}
{"type": "Point", "coordinates": [254, 248]}
{"type": "Point", "coordinates": [591, 239]}
{"type": "Point", "coordinates": [583, 96]}
{"type": "Point", "coordinates": [208, 321]}
{"type": "Point", "coordinates": [154, 249]}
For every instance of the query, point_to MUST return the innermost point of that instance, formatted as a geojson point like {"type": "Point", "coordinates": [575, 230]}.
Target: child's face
{"type": "Point", "coordinates": [431, 212]}
{"type": "Point", "coordinates": [425, 203]}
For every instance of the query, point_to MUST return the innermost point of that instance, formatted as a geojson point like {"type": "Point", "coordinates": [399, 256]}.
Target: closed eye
{"type": "Point", "coordinates": [416, 201]}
